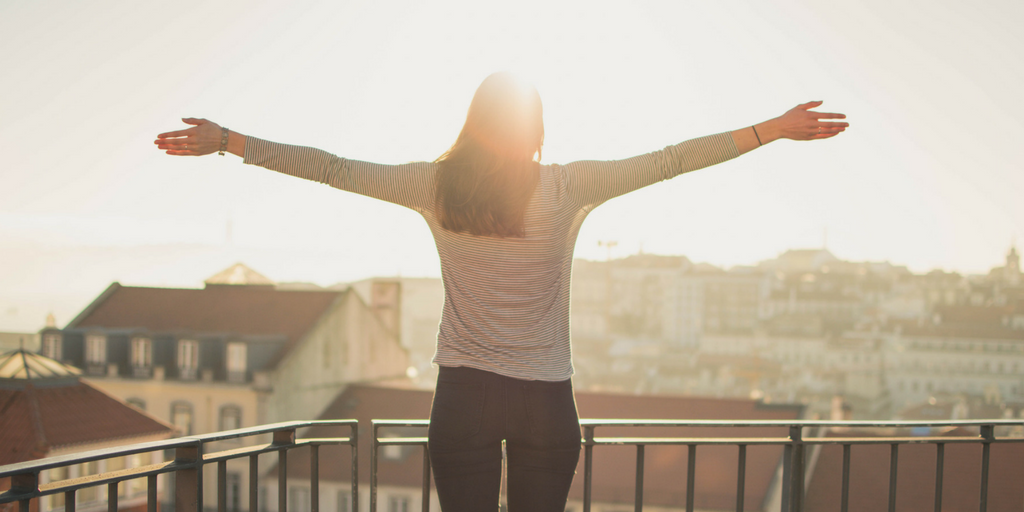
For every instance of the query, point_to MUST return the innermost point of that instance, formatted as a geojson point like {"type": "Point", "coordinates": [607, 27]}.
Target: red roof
{"type": "Point", "coordinates": [39, 416]}
{"type": "Point", "coordinates": [242, 310]}
{"type": "Point", "coordinates": [614, 466]}
{"type": "Point", "coordinates": [915, 477]}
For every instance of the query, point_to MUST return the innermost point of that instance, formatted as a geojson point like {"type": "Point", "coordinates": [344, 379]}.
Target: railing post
{"type": "Point", "coordinates": [741, 477]}
{"type": "Point", "coordinates": [283, 438]}
{"type": "Point", "coordinates": [254, 483]}
{"type": "Point", "coordinates": [151, 493]}
{"type": "Point", "coordinates": [187, 493]}
{"type": "Point", "coordinates": [894, 457]}
{"type": "Point", "coordinates": [691, 475]}
{"type": "Point", "coordinates": [988, 434]}
{"type": "Point", "coordinates": [940, 455]}
{"type": "Point", "coordinates": [222, 486]}
{"type": "Point", "coordinates": [638, 500]}
{"type": "Point", "coordinates": [354, 439]}
{"type": "Point", "coordinates": [425, 505]}
{"type": "Point", "coordinates": [588, 465]}
{"type": "Point", "coordinates": [373, 470]}
{"type": "Point", "coordinates": [314, 478]}
{"type": "Point", "coordinates": [796, 485]}
{"type": "Point", "coordinates": [112, 497]}
{"type": "Point", "coordinates": [25, 483]}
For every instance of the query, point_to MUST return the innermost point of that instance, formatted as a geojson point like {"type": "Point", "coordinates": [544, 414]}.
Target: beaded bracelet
{"type": "Point", "coordinates": [223, 141]}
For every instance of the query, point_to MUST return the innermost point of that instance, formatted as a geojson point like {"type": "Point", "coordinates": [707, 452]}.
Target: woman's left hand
{"type": "Point", "coordinates": [802, 123]}
{"type": "Point", "coordinates": [202, 139]}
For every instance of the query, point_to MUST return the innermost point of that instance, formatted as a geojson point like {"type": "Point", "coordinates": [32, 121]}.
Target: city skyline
{"type": "Point", "coordinates": [165, 267]}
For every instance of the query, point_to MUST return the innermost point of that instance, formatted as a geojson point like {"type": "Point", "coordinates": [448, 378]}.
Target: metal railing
{"type": "Point", "coordinates": [793, 459]}
{"type": "Point", "coordinates": [187, 465]}
{"type": "Point", "coordinates": [190, 458]}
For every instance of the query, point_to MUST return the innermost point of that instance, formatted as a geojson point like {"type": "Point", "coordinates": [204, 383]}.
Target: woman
{"type": "Point", "coordinates": [505, 227]}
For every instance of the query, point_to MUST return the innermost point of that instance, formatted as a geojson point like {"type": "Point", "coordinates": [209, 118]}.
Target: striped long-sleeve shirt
{"type": "Point", "coordinates": [506, 304]}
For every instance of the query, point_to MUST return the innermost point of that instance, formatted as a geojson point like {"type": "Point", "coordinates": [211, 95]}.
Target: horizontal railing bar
{"type": "Point", "coordinates": [401, 423]}
{"type": "Point", "coordinates": [897, 440]}
{"type": "Point", "coordinates": [74, 484]}
{"type": "Point", "coordinates": [38, 465]}
{"type": "Point", "coordinates": [401, 440]}
{"type": "Point", "coordinates": [271, 428]}
{"type": "Point", "coordinates": [323, 440]}
{"type": "Point", "coordinates": [610, 441]}
{"type": "Point", "coordinates": [599, 441]}
{"type": "Point", "coordinates": [246, 451]}
{"type": "Point", "coordinates": [597, 422]}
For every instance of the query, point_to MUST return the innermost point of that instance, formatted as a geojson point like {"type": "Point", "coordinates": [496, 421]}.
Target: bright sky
{"type": "Point", "coordinates": [929, 175]}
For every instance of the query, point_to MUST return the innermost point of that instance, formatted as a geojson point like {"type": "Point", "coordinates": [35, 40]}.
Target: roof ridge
{"type": "Point", "coordinates": [37, 420]}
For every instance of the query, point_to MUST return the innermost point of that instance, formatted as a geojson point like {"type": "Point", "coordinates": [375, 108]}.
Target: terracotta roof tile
{"type": "Point", "coordinates": [37, 418]}
{"type": "Point", "coordinates": [243, 310]}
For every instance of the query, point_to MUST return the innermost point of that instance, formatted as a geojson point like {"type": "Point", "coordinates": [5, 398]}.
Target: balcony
{"type": "Point", "coordinates": [802, 444]}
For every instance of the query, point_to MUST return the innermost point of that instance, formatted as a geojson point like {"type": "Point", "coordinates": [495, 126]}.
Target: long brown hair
{"type": "Point", "coordinates": [486, 178]}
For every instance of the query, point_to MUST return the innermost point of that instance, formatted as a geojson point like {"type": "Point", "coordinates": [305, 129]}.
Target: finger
{"type": "Point", "coordinates": [178, 133]}
{"type": "Point", "coordinates": [809, 105]}
{"type": "Point", "coordinates": [176, 143]}
{"type": "Point", "coordinates": [190, 139]}
{"type": "Point", "coordinates": [834, 125]}
{"type": "Point", "coordinates": [193, 120]}
{"type": "Point", "coordinates": [828, 115]}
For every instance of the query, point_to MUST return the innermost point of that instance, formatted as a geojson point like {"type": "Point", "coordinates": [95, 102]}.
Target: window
{"type": "Point", "coordinates": [142, 353]}
{"type": "Point", "coordinates": [95, 349]}
{"type": "Point", "coordinates": [88, 494]}
{"type": "Point", "coordinates": [230, 417]}
{"type": "Point", "coordinates": [181, 417]}
{"type": "Point", "coordinates": [298, 499]}
{"type": "Point", "coordinates": [53, 346]}
{"type": "Point", "coordinates": [188, 359]}
{"type": "Point", "coordinates": [234, 491]}
{"type": "Point", "coordinates": [138, 486]}
{"type": "Point", "coordinates": [344, 501]}
{"type": "Point", "coordinates": [117, 464]}
{"type": "Point", "coordinates": [236, 361]}
{"type": "Point", "coordinates": [137, 403]}
{"type": "Point", "coordinates": [56, 475]}
{"type": "Point", "coordinates": [398, 504]}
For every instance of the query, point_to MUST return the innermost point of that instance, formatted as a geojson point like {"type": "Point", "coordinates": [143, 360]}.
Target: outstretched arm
{"type": "Point", "coordinates": [590, 183]}
{"type": "Point", "coordinates": [409, 185]}
{"type": "Point", "coordinates": [799, 123]}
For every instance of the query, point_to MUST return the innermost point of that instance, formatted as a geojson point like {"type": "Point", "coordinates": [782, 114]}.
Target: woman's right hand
{"type": "Point", "coordinates": [202, 139]}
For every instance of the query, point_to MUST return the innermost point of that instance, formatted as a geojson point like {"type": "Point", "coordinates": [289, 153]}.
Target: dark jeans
{"type": "Point", "coordinates": [473, 411]}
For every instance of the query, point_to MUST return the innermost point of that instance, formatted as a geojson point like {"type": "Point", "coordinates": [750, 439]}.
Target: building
{"type": "Point", "coordinates": [238, 352]}
{"type": "Point", "coordinates": [47, 410]}
{"type": "Point", "coordinates": [415, 303]}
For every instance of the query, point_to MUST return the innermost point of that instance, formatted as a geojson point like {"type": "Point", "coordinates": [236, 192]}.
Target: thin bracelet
{"type": "Point", "coordinates": [223, 140]}
{"type": "Point", "coordinates": [756, 135]}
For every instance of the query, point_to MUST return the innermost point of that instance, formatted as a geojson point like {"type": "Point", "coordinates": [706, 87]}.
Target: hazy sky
{"type": "Point", "coordinates": [929, 175]}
